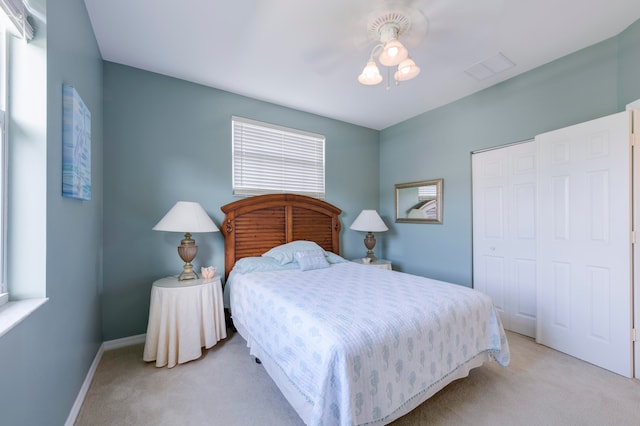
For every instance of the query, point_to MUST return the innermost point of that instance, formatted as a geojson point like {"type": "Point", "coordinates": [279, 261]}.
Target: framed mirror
{"type": "Point", "coordinates": [419, 202]}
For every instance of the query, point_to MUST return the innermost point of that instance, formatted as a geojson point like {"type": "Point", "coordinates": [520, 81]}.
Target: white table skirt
{"type": "Point", "coordinates": [183, 318]}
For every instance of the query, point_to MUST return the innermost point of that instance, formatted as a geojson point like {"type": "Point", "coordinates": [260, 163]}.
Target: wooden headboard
{"type": "Point", "coordinates": [256, 224]}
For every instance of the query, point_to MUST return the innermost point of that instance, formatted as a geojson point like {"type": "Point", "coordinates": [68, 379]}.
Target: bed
{"type": "Point", "coordinates": [347, 344]}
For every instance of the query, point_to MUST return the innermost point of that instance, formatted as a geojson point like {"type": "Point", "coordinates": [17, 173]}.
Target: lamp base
{"type": "Point", "coordinates": [370, 243]}
{"type": "Point", "coordinates": [188, 273]}
{"type": "Point", "coordinates": [187, 251]}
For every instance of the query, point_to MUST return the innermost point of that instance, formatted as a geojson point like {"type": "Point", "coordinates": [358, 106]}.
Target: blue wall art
{"type": "Point", "coordinates": [76, 145]}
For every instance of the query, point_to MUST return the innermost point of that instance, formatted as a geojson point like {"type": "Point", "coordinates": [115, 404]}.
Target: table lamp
{"type": "Point", "coordinates": [369, 221]}
{"type": "Point", "coordinates": [187, 217]}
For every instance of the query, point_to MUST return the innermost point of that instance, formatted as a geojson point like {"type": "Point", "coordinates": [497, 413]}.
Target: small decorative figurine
{"type": "Point", "coordinates": [208, 272]}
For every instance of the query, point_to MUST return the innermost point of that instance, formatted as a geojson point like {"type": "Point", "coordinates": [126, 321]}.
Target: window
{"type": "Point", "coordinates": [25, 71]}
{"type": "Point", "coordinates": [4, 296]}
{"type": "Point", "coordinates": [272, 159]}
{"type": "Point", "coordinates": [13, 19]}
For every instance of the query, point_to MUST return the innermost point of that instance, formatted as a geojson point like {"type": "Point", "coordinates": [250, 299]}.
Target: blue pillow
{"type": "Point", "coordinates": [334, 258]}
{"type": "Point", "coordinates": [260, 264]}
{"type": "Point", "coordinates": [285, 253]}
{"type": "Point", "coordinates": [311, 259]}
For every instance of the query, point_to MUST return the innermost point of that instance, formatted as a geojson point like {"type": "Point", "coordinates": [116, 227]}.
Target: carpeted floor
{"type": "Point", "coordinates": [226, 387]}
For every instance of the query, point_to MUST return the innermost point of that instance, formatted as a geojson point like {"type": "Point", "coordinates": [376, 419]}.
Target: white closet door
{"type": "Point", "coordinates": [636, 227]}
{"type": "Point", "coordinates": [584, 242]}
{"type": "Point", "coordinates": [504, 232]}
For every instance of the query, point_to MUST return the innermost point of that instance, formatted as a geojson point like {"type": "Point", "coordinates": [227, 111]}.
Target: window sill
{"type": "Point", "coordinates": [12, 313]}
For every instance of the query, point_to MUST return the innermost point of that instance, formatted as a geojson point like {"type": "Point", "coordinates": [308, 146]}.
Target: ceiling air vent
{"type": "Point", "coordinates": [490, 67]}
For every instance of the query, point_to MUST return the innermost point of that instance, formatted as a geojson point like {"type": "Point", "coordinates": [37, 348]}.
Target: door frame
{"type": "Point", "coordinates": [635, 188]}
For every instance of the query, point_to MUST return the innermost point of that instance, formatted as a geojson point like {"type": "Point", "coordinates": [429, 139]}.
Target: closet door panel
{"type": "Point", "coordinates": [489, 243]}
{"type": "Point", "coordinates": [525, 212]}
{"type": "Point", "coordinates": [584, 247]}
{"type": "Point", "coordinates": [559, 311]}
{"type": "Point", "coordinates": [493, 280]}
{"type": "Point", "coordinates": [504, 232]}
{"type": "Point", "coordinates": [524, 314]}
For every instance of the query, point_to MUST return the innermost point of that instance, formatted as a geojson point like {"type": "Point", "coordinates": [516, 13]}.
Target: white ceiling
{"type": "Point", "coordinates": [307, 54]}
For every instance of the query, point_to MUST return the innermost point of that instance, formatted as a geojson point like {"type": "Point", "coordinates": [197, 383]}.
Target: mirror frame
{"type": "Point", "coordinates": [439, 196]}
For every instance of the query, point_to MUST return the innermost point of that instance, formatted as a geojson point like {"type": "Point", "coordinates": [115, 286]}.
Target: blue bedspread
{"type": "Point", "coordinates": [359, 342]}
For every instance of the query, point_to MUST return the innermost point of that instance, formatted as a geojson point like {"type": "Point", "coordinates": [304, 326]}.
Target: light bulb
{"type": "Point", "coordinates": [407, 70]}
{"type": "Point", "coordinates": [393, 53]}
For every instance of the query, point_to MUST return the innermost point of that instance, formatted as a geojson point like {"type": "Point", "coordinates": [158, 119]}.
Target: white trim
{"type": "Point", "coordinates": [15, 17]}
{"type": "Point", "coordinates": [275, 127]}
{"type": "Point", "coordinates": [502, 146]}
{"type": "Point", "coordinates": [124, 342]}
{"type": "Point", "coordinates": [633, 105]}
{"type": "Point", "coordinates": [77, 405]}
{"type": "Point", "coordinates": [105, 346]}
{"type": "Point", "coordinates": [4, 165]}
{"type": "Point", "coordinates": [12, 313]}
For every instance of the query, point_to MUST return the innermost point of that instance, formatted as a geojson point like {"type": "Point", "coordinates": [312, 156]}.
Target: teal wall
{"type": "Point", "coordinates": [168, 140]}
{"type": "Point", "coordinates": [590, 83]}
{"type": "Point", "coordinates": [157, 140]}
{"type": "Point", "coordinates": [629, 69]}
{"type": "Point", "coordinates": [45, 358]}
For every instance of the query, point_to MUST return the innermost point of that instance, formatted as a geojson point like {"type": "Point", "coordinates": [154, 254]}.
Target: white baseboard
{"type": "Point", "coordinates": [105, 346]}
{"type": "Point", "coordinates": [125, 341]}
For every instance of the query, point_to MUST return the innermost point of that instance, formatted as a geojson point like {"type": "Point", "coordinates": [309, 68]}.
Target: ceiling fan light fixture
{"type": "Point", "coordinates": [407, 70]}
{"type": "Point", "coordinates": [370, 74]}
{"type": "Point", "coordinates": [386, 27]}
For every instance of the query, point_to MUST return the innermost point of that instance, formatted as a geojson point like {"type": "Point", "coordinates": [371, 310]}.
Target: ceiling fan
{"type": "Point", "coordinates": [353, 29]}
{"type": "Point", "coordinates": [386, 27]}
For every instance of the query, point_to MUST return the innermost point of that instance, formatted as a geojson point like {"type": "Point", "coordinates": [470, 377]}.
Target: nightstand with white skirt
{"type": "Point", "coordinates": [378, 263]}
{"type": "Point", "coordinates": [184, 317]}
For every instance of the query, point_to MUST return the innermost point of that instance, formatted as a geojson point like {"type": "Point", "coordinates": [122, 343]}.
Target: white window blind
{"type": "Point", "coordinates": [427, 192]}
{"type": "Point", "coordinates": [14, 14]}
{"type": "Point", "coordinates": [273, 159]}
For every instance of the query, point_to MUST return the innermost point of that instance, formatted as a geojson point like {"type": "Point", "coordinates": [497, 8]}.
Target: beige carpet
{"type": "Point", "coordinates": [226, 387]}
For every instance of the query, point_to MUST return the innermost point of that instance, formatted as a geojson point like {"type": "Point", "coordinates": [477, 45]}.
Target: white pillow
{"type": "Point", "coordinates": [311, 259]}
{"type": "Point", "coordinates": [285, 253]}
{"type": "Point", "coordinates": [334, 258]}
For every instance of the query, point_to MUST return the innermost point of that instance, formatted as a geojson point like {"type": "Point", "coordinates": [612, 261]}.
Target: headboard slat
{"type": "Point", "coordinates": [256, 224]}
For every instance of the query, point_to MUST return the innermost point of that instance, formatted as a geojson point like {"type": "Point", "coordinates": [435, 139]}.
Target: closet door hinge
{"type": "Point", "coordinates": [634, 336]}
{"type": "Point", "coordinates": [633, 237]}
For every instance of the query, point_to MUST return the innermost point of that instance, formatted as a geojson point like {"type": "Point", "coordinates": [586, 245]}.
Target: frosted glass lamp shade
{"type": "Point", "coordinates": [407, 70]}
{"type": "Point", "coordinates": [370, 74]}
{"type": "Point", "coordinates": [393, 53]}
{"type": "Point", "coordinates": [187, 217]}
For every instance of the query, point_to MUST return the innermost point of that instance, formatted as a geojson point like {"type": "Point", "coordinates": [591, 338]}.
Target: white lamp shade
{"type": "Point", "coordinates": [407, 70]}
{"type": "Point", "coordinates": [369, 221]}
{"type": "Point", "coordinates": [370, 74]}
{"type": "Point", "coordinates": [393, 53]}
{"type": "Point", "coordinates": [186, 216]}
